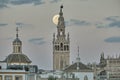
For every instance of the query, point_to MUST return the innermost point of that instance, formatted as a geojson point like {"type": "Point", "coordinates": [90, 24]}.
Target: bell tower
{"type": "Point", "coordinates": [61, 45]}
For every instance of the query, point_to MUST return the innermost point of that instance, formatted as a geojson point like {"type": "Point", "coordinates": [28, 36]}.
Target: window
{"type": "Point", "coordinates": [85, 77]}
{"type": "Point", "coordinates": [58, 48]}
{"type": "Point", "coordinates": [55, 47]}
{"type": "Point", "coordinates": [18, 78]}
{"type": "Point", "coordinates": [67, 47]}
{"type": "Point", "coordinates": [18, 49]}
{"type": "Point", "coordinates": [8, 77]}
{"type": "Point", "coordinates": [61, 45]}
{"type": "Point", "coordinates": [0, 77]}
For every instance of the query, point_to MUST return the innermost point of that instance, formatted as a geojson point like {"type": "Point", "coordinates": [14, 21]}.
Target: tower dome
{"type": "Point", "coordinates": [18, 58]}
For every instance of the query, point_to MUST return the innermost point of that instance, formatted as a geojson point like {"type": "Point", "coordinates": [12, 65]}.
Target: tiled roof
{"type": "Point", "coordinates": [17, 58]}
{"type": "Point", "coordinates": [82, 67]}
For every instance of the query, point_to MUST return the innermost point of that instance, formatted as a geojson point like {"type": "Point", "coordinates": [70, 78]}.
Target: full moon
{"type": "Point", "coordinates": [55, 19]}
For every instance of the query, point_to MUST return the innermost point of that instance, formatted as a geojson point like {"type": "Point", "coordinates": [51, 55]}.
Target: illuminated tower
{"type": "Point", "coordinates": [61, 45]}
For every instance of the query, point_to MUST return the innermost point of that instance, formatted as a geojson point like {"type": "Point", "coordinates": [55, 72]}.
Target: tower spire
{"type": "Point", "coordinates": [61, 24]}
{"type": "Point", "coordinates": [78, 59]}
{"type": "Point", "coordinates": [17, 44]}
{"type": "Point", "coordinates": [16, 32]}
{"type": "Point", "coordinates": [78, 56]}
{"type": "Point", "coordinates": [61, 13]}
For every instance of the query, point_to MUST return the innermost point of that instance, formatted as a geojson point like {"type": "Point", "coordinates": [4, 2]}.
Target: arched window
{"type": "Point", "coordinates": [58, 47]}
{"type": "Point", "coordinates": [19, 49]}
{"type": "Point", "coordinates": [61, 46]}
{"type": "Point", "coordinates": [85, 77]}
{"type": "Point", "coordinates": [55, 47]}
{"type": "Point", "coordinates": [67, 47]}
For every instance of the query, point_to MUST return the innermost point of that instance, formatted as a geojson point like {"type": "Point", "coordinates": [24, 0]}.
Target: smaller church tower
{"type": "Point", "coordinates": [17, 44]}
{"type": "Point", "coordinates": [102, 60]}
{"type": "Point", "coordinates": [17, 57]}
{"type": "Point", "coordinates": [61, 45]}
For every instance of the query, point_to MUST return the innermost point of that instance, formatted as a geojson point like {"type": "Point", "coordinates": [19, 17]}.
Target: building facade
{"type": "Point", "coordinates": [79, 70]}
{"type": "Point", "coordinates": [109, 68]}
{"type": "Point", "coordinates": [61, 45]}
{"type": "Point", "coordinates": [13, 75]}
{"type": "Point", "coordinates": [17, 57]}
{"type": "Point", "coordinates": [17, 66]}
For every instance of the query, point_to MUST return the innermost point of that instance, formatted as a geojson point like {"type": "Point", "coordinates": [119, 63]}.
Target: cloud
{"type": "Point", "coordinates": [101, 25]}
{"type": "Point", "coordinates": [20, 2]}
{"type": "Point", "coordinates": [113, 40]}
{"type": "Point", "coordinates": [76, 22]}
{"type": "Point", "coordinates": [114, 21]}
{"type": "Point", "coordinates": [3, 24]}
{"type": "Point", "coordinates": [20, 24]}
{"type": "Point", "coordinates": [10, 38]}
{"type": "Point", "coordinates": [115, 24]}
{"type": "Point", "coordinates": [109, 22]}
{"type": "Point", "coordinates": [113, 18]}
{"type": "Point", "coordinates": [55, 1]}
{"type": "Point", "coordinates": [37, 41]}
{"type": "Point", "coordinates": [38, 2]}
{"type": "Point", "coordinates": [5, 3]}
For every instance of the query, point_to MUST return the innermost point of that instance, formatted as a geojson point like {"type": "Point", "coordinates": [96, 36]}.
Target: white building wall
{"type": "Point", "coordinates": [13, 73]}
{"type": "Point", "coordinates": [81, 75]}
{"type": "Point", "coordinates": [3, 65]}
{"type": "Point", "coordinates": [46, 75]}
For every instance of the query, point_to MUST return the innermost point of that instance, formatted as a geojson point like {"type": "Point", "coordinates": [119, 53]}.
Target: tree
{"type": "Point", "coordinates": [51, 78]}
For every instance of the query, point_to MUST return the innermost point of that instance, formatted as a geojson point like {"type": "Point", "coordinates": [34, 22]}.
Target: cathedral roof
{"type": "Point", "coordinates": [82, 68]}
{"type": "Point", "coordinates": [17, 58]}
